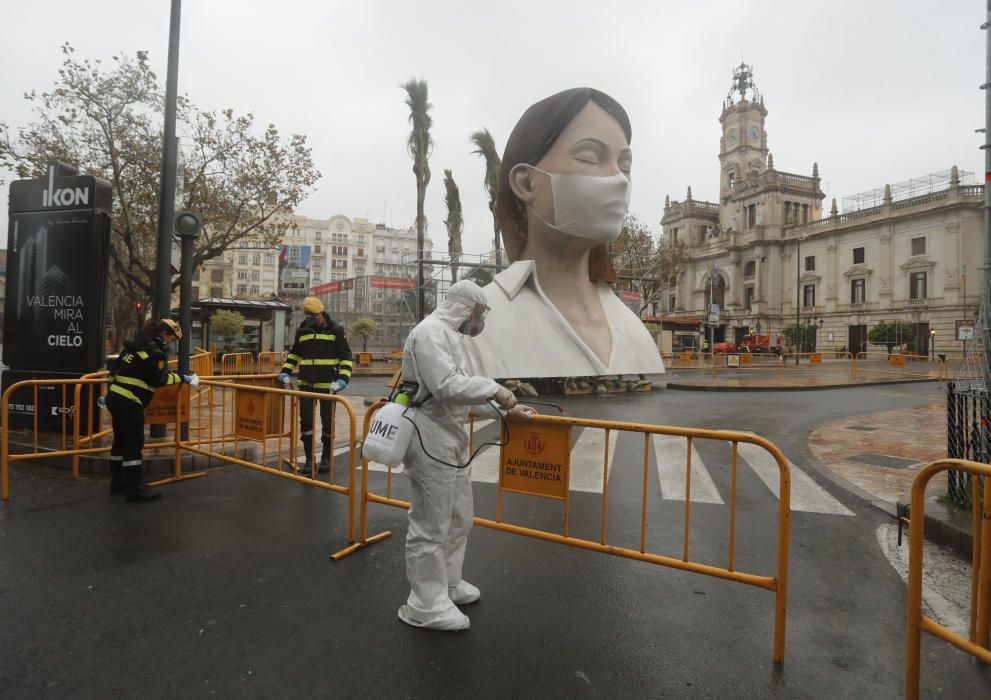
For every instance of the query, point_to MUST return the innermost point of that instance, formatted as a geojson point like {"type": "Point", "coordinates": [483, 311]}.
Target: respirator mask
{"type": "Point", "coordinates": [588, 206]}
{"type": "Point", "coordinates": [475, 323]}
{"type": "Point", "coordinates": [313, 320]}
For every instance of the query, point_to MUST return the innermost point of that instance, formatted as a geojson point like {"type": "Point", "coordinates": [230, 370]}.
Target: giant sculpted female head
{"type": "Point", "coordinates": [580, 131]}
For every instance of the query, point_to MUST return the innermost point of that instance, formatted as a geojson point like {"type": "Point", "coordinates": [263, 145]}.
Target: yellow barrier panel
{"type": "Point", "coordinates": [237, 363]}
{"type": "Point", "coordinates": [271, 361]}
{"type": "Point", "coordinates": [977, 645]}
{"type": "Point", "coordinates": [815, 358]}
{"type": "Point", "coordinates": [259, 429]}
{"type": "Point", "coordinates": [778, 584]}
{"type": "Point", "coordinates": [896, 360]}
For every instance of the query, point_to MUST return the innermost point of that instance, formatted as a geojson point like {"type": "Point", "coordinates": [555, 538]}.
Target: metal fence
{"type": "Point", "coordinates": [968, 436]}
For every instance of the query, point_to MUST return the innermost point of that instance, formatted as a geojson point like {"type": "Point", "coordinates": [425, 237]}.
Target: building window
{"type": "Point", "coordinates": [269, 259]}
{"type": "Point", "coordinates": [216, 291]}
{"type": "Point", "coordinates": [256, 275]}
{"type": "Point", "coordinates": [242, 289]}
{"type": "Point", "coordinates": [256, 259]}
{"type": "Point", "coordinates": [731, 179]}
{"type": "Point", "coordinates": [809, 296]}
{"type": "Point", "coordinates": [917, 280]}
{"type": "Point", "coordinates": [858, 256]}
{"type": "Point", "coordinates": [254, 289]}
{"type": "Point", "coordinates": [857, 291]}
{"type": "Point", "coordinates": [361, 240]}
{"type": "Point", "coordinates": [919, 245]}
{"type": "Point", "coordinates": [749, 268]}
{"type": "Point", "coordinates": [810, 263]}
{"type": "Point", "coordinates": [216, 276]}
{"type": "Point", "coordinates": [316, 250]}
{"type": "Point", "coordinates": [748, 298]}
{"type": "Point", "coordinates": [242, 274]}
{"type": "Point", "coordinates": [671, 300]}
{"type": "Point", "coordinates": [751, 215]}
{"type": "Point", "coordinates": [242, 259]}
{"type": "Point", "coordinates": [317, 236]}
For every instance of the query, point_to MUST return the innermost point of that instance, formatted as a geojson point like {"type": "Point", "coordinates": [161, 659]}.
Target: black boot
{"type": "Point", "coordinates": [325, 456]}
{"type": "Point", "coordinates": [117, 484]}
{"type": "Point", "coordinates": [137, 490]}
{"type": "Point", "coordinates": [307, 469]}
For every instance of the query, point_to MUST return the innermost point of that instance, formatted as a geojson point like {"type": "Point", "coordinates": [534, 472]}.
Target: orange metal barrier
{"type": "Point", "coordinates": [977, 645]}
{"type": "Point", "coordinates": [377, 362]}
{"type": "Point", "coordinates": [271, 361]}
{"type": "Point", "coordinates": [237, 363]}
{"type": "Point", "coordinates": [778, 583]}
{"type": "Point", "coordinates": [902, 364]}
{"type": "Point", "coordinates": [225, 411]}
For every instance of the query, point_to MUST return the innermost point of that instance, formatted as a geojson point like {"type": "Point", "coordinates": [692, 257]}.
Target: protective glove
{"type": "Point", "coordinates": [337, 386]}
{"type": "Point", "coordinates": [504, 397]}
{"type": "Point", "coordinates": [283, 377]}
{"type": "Point", "coordinates": [521, 411]}
{"type": "Point", "coordinates": [192, 380]}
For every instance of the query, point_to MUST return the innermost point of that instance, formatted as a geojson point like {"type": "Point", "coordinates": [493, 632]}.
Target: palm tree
{"type": "Point", "coordinates": [419, 144]}
{"type": "Point", "coordinates": [485, 147]}
{"type": "Point", "coordinates": [454, 222]}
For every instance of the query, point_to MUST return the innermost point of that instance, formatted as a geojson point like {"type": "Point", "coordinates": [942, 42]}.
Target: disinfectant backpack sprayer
{"type": "Point", "coordinates": [390, 431]}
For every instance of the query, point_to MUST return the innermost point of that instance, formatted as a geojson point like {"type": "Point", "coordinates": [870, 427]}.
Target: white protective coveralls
{"type": "Point", "coordinates": [441, 506]}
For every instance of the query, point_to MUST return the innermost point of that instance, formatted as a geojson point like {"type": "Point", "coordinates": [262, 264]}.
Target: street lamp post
{"type": "Point", "coordinates": [932, 344]}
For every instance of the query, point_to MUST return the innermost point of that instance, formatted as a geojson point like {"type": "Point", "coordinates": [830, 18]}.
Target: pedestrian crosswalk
{"type": "Point", "coordinates": [669, 452]}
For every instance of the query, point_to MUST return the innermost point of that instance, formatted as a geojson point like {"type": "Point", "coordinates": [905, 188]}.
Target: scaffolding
{"type": "Point", "coordinates": [913, 187]}
{"type": "Point", "coordinates": [390, 301]}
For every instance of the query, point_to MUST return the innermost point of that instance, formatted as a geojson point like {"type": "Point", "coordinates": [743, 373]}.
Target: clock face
{"type": "Point", "coordinates": [754, 133]}
{"type": "Point", "coordinates": [731, 137]}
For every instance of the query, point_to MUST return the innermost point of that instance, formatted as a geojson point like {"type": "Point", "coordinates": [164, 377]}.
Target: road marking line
{"type": "Point", "coordinates": [586, 459]}
{"type": "Point", "coordinates": [806, 494]}
{"type": "Point", "coordinates": [671, 452]}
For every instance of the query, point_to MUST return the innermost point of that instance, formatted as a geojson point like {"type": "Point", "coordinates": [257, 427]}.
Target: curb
{"type": "Point", "coordinates": [942, 530]}
{"type": "Point", "coordinates": [820, 387]}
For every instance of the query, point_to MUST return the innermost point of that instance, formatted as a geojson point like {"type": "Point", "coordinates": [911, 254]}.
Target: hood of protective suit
{"type": "Point", "coordinates": [462, 298]}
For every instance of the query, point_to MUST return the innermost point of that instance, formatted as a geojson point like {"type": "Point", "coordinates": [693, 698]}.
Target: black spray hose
{"type": "Point", "coordinates": [419, 437]}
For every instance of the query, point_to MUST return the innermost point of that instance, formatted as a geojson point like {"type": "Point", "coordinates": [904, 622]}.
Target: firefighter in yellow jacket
{"type": "Point", "coordinates": [321, 353]}
{"type": "Point", "coordinates": [141, 367]}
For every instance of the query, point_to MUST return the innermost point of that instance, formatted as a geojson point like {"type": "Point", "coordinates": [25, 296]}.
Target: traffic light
{"type": "Point", "coordinates": [137, 305]}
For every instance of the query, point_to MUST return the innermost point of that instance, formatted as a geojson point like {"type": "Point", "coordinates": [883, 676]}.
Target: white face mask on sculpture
{"type": "Point", "coordinates": [588, 206]}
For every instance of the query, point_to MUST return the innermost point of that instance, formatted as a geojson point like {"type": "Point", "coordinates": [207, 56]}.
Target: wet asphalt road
{"type": "Point", "coordinates": [224, 588]}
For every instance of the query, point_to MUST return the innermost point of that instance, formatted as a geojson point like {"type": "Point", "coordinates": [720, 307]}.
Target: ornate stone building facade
{"type": "Point", "coordinates": [764, 253]}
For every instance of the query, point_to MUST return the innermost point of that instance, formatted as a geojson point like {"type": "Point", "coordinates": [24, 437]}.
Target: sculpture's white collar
{"type": "Point", "coordinates": [512, 279]}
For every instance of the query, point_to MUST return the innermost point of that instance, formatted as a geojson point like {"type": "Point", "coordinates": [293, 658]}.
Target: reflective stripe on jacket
{"type": "Point", "coordinates": [141, 367]}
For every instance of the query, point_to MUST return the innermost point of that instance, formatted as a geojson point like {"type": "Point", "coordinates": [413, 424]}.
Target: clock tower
{"type": "Point", "coordinates": [743, 146]}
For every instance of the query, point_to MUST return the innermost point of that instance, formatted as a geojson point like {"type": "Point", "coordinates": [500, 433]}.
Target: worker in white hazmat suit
{"type": "Point", "coordinates": [441, 507]}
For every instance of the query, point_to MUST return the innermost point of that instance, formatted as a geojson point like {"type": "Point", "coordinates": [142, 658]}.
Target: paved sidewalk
{"type": "Point", "coordinates": [881, 453]}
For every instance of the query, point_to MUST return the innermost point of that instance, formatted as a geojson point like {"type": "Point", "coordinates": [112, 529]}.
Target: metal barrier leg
{"type": "Point", "coordinates": [984, 580]}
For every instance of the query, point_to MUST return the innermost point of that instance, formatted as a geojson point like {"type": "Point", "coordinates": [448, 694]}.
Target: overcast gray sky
{"type": "Point", "coordinates": [876, 91]}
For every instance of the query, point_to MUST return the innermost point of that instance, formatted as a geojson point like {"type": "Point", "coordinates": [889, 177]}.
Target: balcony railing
{"type": "Point", "coordinates": [918, 302]}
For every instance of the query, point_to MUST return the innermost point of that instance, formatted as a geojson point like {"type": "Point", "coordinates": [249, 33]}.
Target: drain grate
{"type": "Point", "coordinates": [865, 428]}
{"type": "Point", "coordinates": [877, 460]}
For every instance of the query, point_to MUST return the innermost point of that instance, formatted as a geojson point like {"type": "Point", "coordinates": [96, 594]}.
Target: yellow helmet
{"type": "Point", "coordinates": [312, 305]}
{"type": "Point", "coordinates": [171, 326]}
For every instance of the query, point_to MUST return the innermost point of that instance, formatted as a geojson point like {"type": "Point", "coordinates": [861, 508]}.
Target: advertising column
{"type": "Point", "coordinates": [57, 264]}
